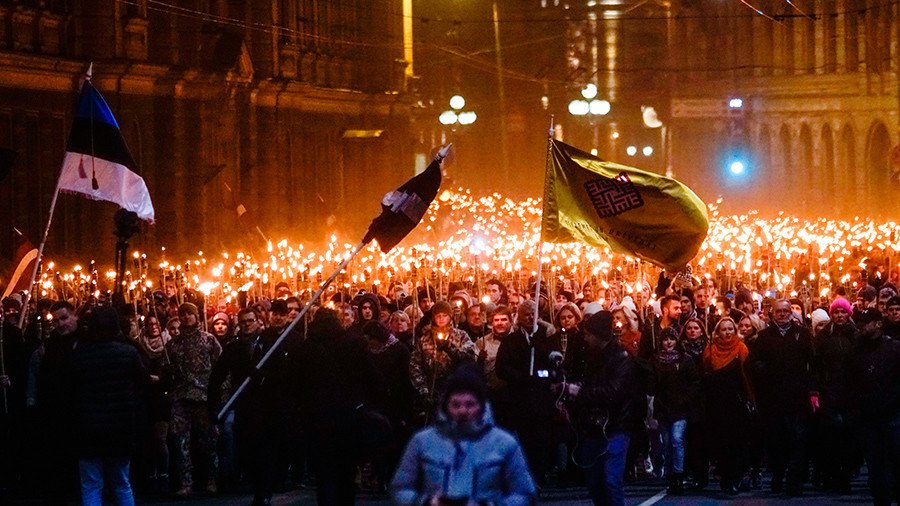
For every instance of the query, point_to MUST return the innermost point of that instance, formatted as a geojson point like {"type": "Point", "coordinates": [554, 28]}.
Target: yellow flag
{"type": "Point", "coordinates": [631, 211]}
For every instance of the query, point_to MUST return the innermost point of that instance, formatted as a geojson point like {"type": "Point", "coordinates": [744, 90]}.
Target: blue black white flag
{"type": "Point", "coordinates": [98, 164]}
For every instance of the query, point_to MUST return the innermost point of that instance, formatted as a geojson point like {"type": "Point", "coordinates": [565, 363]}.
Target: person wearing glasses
{"type": "Point", "coordinates": [235, 364]}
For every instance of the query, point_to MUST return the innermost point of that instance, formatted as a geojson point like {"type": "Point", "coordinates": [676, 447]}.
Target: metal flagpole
{"type": "Point", "coordinates": [537, 285]}
{"type": "Point", "coordinates": [288, 330]}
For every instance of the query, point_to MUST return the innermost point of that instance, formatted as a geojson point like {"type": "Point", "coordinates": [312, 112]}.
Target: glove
{"type": "Point", "coordinates": [443, 345]}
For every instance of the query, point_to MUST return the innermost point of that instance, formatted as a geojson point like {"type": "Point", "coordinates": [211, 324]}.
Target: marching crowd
{"type": "Point", "coordinates": [442, 398]}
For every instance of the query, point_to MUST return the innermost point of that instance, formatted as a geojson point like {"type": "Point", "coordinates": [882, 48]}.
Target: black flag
{"type": "Point", "coordinates": [403, 208]}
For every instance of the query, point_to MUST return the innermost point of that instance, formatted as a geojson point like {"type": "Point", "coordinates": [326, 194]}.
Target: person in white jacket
{"type": "Point", "coordinates": [463, 459]}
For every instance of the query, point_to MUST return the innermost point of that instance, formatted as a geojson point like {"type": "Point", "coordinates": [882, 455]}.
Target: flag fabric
{"type": "Point", "coordinates": [19, 275]}
{"type": "Point", "coordinates": [98, 164]}
{"type": "Point", "coordinates": [403, 208]}
{"type": "Point", "coordinates": [631, 211]}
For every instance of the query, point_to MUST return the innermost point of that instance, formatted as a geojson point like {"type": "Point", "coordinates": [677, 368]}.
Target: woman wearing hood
{"type": "Point", "coordinates": [463, 458]}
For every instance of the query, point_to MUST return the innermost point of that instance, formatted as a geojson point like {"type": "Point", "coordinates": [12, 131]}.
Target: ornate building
{"type": "Point", "coordinates": [299, 106]}
{"type": "Point", "coordinates": [817, 119]}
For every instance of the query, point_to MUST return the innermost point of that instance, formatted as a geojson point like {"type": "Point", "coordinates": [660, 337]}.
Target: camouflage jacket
{"type": "Point", "coordinates": [429, 366]}
{"type": "Point", "coordinates": [192, 355]}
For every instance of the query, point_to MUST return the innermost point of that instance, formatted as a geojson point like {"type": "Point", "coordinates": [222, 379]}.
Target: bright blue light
{"type": "Point", "coordinates": [737, 167]}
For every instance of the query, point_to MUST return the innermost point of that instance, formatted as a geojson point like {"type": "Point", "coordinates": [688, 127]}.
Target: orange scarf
{"type": "Point", "coordinates": [719, 354]}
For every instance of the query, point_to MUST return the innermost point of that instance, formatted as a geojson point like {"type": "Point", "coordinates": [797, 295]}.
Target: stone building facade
{"type": "Point", "coordinates": [300, 107]}
{"type": "Point", "coordinates": [817, 126]}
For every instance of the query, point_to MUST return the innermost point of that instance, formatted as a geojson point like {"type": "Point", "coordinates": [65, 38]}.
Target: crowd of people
{"type": "Point", "coordinates": [420, 394]}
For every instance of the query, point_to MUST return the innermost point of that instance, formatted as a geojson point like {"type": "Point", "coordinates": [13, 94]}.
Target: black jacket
{"type": "Point", "coordinates": [834, 346]}
{"type": "Point", "coordinates": [676, 390]}
{"type": "Point", "coordinates": [529, 393]}
{"type": "Point", "coordinates": [236, 361]}
{"type": "Point", "coordinates": [783, 371]}
{"type": "Point", "coordinates": [875, 369]}
{"type": "Point", "coordinates": [105, 379]}
{"type": "Point", "coordinates": [609, 392]}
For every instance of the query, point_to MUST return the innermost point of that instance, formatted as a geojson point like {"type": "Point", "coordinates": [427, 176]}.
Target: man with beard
{"type": "Point", "coordinates": [782, 368]}
{"type": "Point", "coordinates": [192, 355]}
{"type": "Point", "coordinates": [523, 362]}
{"type": "Point", "coordinates": [603, 407]}
{"type": "Point", "coordinates": [835, 449]}
{"type": "Point", "coordinates": [670, 307]}
{"type": "Point", "coordinates": [464, 458]}
{"type": "Point", "coordinates": [875, 390]}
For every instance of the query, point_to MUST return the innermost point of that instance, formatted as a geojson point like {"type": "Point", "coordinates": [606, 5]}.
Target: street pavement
{"type": "Point", "coordinates": [643, 493]}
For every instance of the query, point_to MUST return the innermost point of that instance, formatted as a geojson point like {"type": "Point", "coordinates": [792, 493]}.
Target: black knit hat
{"type": "Point", "coordinates": [600, 325]}
{"type": "Point", "coordinates": [867, 316]}
{"type": "Point", "coordinates": [466, 378]}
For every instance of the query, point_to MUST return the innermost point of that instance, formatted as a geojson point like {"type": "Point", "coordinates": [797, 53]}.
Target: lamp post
{"type": "Point", "coordinates": [456, 115]}
{"type": "Point", "coordinates": [592, 108]}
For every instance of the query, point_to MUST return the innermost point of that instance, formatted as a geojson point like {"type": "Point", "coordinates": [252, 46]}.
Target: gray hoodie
{"type": "Point", "coordinates": [483, 464]}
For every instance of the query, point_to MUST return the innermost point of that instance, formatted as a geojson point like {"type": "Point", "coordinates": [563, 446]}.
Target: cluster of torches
{"type": "Point", "coordinates": [469, 239]}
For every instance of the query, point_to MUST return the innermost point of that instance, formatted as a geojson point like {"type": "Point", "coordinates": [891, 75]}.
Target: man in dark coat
{"type": "Point", "coordinates": [105, 376]}
{"type": "Point", "coordinates": [336, 382]}
{"type": "Point", "coordinates": [52, 402]}
{"type": "Point", "coordinates": [604, 410]}
{"type": "Point", "coordinates": [263, 412]}
{"type": "Point", "coordinates": [523, 362]}
{"type": "Point", "coordinates": [782, 365]}
{"type": "Point", "coordinates": [12, 401]}
{"type": "Point", "coordinates": [875, 391]}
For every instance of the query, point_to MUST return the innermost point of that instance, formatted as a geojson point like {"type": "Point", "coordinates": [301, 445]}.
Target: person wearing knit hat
{"type": "Point", "coordinates": [192, 355]}
{"type": "Point", "coordinates": [819, 320]}
{"type": "Point", "coordinates": [441, 307]}
{"type": "Point", "coordinates": [840, 303]}
{"type": "Point", "coordinates": [441, 349]}
{"type": "Point", "coordinates": [603, 421]}
{"type": "Point", "coordinates": [220, 327]}
{"type": "Point", "coordinates": [486, 464]}
{"type": "Point", "coordinates": [835, 448]}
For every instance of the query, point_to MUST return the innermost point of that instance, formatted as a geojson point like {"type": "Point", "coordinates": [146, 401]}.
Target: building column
{"type": "Point", "coordinates": [840, 37]}
{"type": "Point", "coordinates": [821, 44]}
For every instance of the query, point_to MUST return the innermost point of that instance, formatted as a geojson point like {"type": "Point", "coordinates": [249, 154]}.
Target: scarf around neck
{"type": "Point", "coordinates": [668, 357]}
{"type": "Point", "coordinates": [720, 353]}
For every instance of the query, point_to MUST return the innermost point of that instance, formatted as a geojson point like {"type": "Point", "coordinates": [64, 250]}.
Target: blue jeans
{"type": "Point", "coordinates": [605, 471]}
{"type": "Point", "coordinates": [673, 442]}
{"type": "Point", "coordinates": [112, 471]}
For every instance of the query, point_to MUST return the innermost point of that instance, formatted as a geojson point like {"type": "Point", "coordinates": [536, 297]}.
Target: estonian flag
{"type": "Point", "coordinates": [403, 208]}
{"type": "Point", "coordinates": [98, 164]}
{"type": "Point", "coordinates": [631, 211]}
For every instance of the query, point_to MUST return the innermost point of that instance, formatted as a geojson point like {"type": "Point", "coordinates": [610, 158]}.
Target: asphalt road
{"type": "Point", "coordinates": [643, 493]}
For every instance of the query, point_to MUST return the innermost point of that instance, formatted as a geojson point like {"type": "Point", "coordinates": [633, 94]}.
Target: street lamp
{"type": "Point", "coordinates": [591, 107]}
{"type": "Point", "coordinates": [455, 114]}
